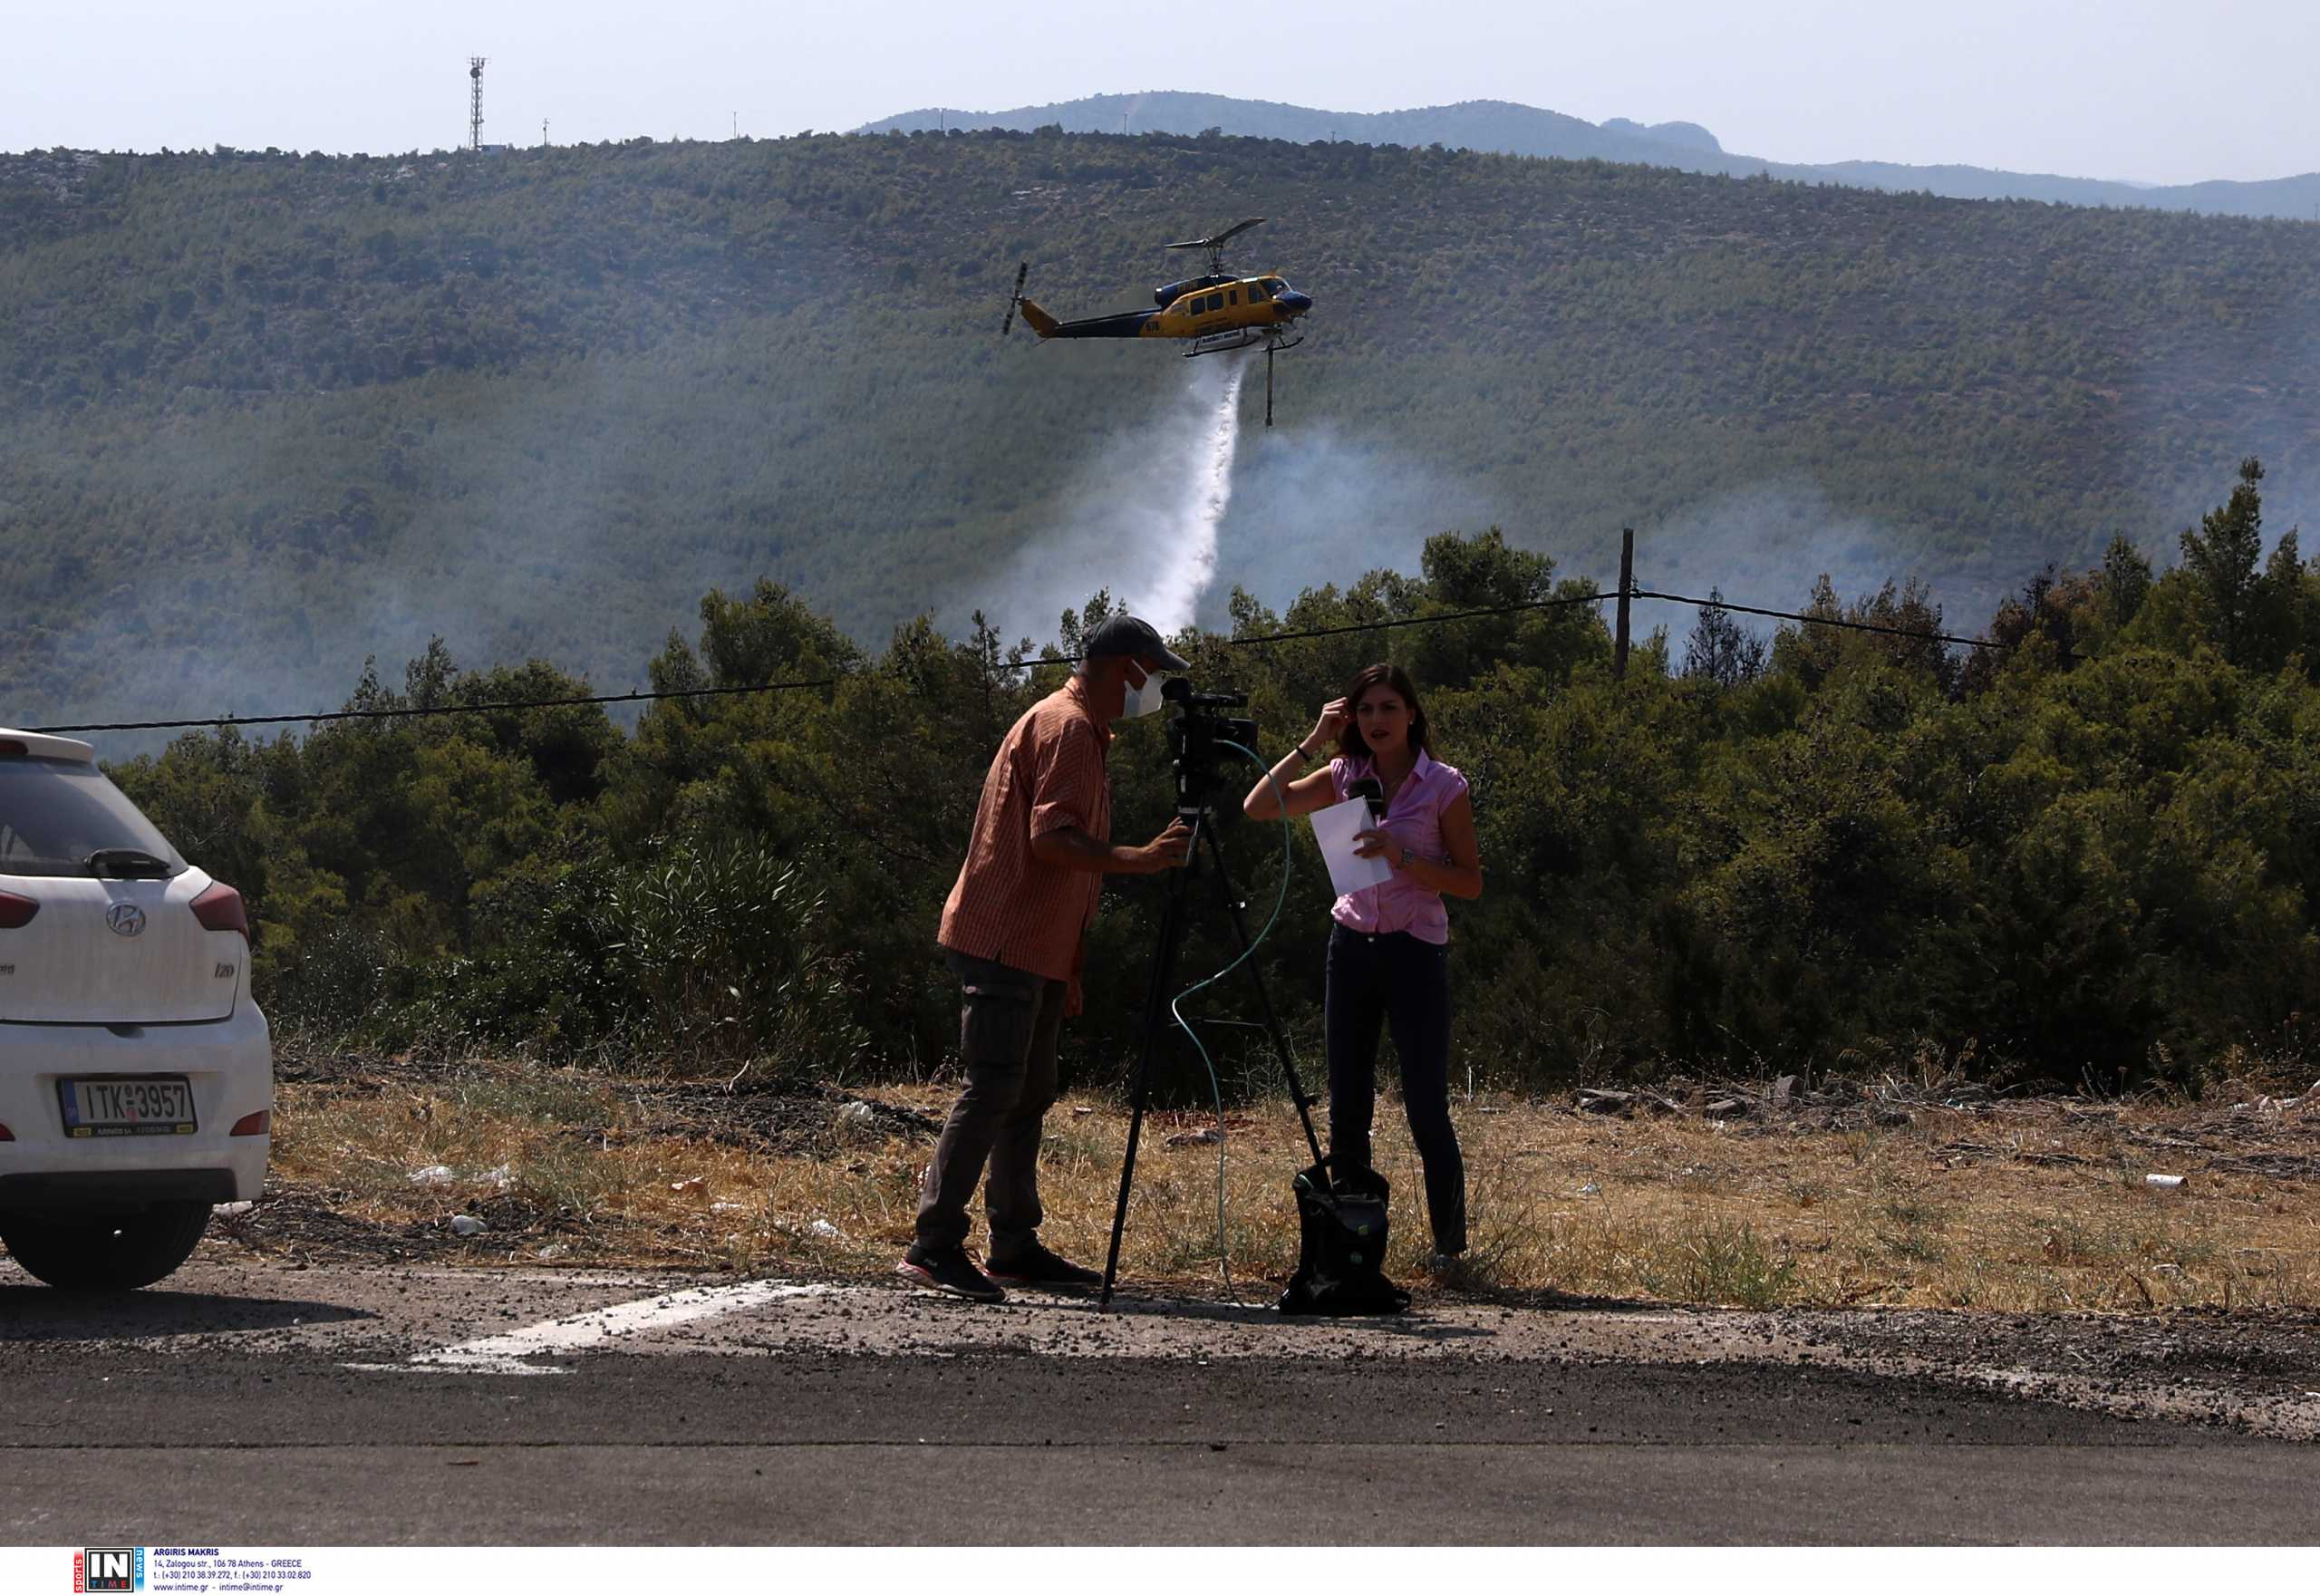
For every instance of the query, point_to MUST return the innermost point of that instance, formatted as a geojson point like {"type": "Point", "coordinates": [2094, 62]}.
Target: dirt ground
{"type": "Point", "coordinates": [1764, 1196]}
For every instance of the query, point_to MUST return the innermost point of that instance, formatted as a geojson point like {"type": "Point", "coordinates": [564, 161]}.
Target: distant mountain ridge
{"type": "Point", "coordinates": [1473, 124]}
{"type": "Point", "coordinates": [1506, 127]}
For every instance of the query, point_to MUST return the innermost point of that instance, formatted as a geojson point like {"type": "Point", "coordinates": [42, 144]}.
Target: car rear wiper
{"type": "Point", "coordinates": [128, 864]}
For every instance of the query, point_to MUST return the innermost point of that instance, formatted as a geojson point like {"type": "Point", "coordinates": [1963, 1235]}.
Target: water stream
{"type": "Point", "coordinates": [1143, 517]}
{"type": "Point", "coordinates": [1175, 591]}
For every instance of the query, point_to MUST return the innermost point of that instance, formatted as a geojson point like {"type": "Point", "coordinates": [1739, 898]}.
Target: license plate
{"type": "Point", "coordinates": [159, 1105]}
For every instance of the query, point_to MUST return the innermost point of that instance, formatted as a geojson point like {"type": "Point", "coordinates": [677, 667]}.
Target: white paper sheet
{"type": "Point", "coordinates": [1335, 829]}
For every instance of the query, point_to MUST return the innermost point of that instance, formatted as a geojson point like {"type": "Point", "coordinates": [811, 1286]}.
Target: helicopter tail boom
{"type": "Point", "coordinates": [1130, 325]}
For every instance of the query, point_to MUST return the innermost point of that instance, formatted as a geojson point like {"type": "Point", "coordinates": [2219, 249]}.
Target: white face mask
{"type": "Point", "coordinates": [1144, 700]}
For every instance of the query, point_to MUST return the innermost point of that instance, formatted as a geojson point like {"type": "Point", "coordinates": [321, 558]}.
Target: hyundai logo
{"type": "Point", "coordinates": [126, 920]}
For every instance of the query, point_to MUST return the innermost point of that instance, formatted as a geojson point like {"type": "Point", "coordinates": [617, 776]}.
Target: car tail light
{"type": "Point", "coordinates": [219, 908]}
{"type": "Point", "coordinates": [10, 748]}
{"type": "Point", "coordinates": [258, 1124]}
{"type": "Point", "coordinates": [7, 1135]}
{"type": "Point", "coordinates": [16, 912]}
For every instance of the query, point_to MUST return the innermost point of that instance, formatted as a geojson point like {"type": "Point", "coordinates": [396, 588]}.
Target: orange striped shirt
{"type": "Point", "coordinates": [1008, 905]}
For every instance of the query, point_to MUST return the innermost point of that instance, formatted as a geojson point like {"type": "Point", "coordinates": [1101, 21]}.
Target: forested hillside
{"type": "Point", "coordinates": [263, 415]}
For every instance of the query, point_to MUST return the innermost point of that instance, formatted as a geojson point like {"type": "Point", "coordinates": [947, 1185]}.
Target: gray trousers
{"type": "Point", "coordinates": [1008, 1022]}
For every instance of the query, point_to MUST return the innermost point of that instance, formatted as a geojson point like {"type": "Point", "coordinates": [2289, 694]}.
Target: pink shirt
{"type": "Point", "coordinates": [1414, 820]}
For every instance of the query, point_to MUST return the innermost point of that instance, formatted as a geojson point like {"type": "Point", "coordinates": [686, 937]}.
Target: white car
{"type": "Point", "coordinates": [135, 1075]}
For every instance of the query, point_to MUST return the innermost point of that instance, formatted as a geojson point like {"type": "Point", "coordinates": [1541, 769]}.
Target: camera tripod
{"type": "Point", "coordinates": [1193, 809]}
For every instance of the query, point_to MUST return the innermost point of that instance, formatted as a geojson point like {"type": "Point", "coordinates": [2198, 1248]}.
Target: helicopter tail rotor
{"type": "Point", "coordinates": [1015, 299]}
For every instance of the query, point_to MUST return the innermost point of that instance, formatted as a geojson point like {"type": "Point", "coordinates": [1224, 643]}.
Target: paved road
{"type": "Point", "coordinates": [261, 1406]}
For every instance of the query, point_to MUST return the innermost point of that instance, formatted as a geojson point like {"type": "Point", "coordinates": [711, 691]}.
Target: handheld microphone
{"type": "Point", "coordinates": [1368, 787]}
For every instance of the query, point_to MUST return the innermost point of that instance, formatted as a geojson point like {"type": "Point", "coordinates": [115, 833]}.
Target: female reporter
{"type": "Point", "coordinates": [1388, 943]}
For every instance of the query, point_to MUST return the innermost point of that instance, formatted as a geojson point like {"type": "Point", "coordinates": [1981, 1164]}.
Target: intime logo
{"type": "Point", "coordinates": [108, 1568]}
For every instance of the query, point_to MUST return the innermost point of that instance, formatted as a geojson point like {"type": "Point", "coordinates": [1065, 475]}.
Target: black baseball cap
{"type": "Point", "coordinates": [1127, 636]}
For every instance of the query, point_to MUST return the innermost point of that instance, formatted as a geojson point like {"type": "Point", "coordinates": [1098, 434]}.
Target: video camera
{"type": "Point", "coordinates": [1196, 734]}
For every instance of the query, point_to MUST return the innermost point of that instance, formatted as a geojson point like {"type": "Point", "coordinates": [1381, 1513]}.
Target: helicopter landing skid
{"type": "Point", "coordinates": [1218, 343]}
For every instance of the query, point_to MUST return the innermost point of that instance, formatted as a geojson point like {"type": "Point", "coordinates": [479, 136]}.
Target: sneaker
{"type": "Point", "coordinates": [949, 1269]}
{"type": "Point", "coordinates": [1039, 1267]}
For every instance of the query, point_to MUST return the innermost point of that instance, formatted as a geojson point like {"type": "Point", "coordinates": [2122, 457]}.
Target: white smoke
{"type": "Point", "coordinates": [1766, 543]}
{"type": "Point", "coordinates": [1143, 518]}
{"type": "Point", "coordinates": [1318, 506]}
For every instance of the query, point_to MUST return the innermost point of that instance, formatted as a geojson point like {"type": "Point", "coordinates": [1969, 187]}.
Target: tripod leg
{"type": "Point", "coordinates": [1234, 907]}
{"type": "Point", "coordinates": [1155, 1009]}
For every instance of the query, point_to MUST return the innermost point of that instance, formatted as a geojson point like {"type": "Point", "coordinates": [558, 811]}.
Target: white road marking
{"type": "Point", "coordinates": [505, 1354]}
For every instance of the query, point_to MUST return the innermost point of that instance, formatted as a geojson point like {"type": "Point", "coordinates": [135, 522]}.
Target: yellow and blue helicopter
{"type": "Point", "coordinates": [1209, 313]}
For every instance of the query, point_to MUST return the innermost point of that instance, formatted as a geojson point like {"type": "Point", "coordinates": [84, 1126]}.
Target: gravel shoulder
{"type": "Point", "coordinates": [2252, 1373]}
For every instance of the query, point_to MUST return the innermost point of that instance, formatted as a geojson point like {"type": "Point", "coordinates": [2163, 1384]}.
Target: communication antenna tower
{"type": "Point", "coordinates": [475, 103]}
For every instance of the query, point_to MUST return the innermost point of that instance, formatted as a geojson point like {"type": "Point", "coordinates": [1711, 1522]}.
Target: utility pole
{"type": "Point", "coordinates": [475, 103]}
{"type": "Point", "coordinates": [1626, 584]}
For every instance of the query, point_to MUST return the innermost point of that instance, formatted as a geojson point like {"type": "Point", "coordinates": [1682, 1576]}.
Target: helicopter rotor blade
{"type": "Point", "coordinates": [1220, 239]}
{"type": "Point", "coordinates": [1014, 299]}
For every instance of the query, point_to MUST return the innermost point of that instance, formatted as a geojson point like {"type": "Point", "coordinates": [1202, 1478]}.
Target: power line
{"type": "Point", "coordinates": [415, 712]}
{"type": "Point", "coordinates": [1504, 609]}
{"type": "Point", "coordinates": [1263, 640]}
{"type": "Point", "coordinates": [418, 712]}
{"type": "Point", "coordinates": [1717, 604]}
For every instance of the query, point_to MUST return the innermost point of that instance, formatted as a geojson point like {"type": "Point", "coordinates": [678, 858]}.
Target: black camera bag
{"type": "Point", "coordinates": [1342, 1247]}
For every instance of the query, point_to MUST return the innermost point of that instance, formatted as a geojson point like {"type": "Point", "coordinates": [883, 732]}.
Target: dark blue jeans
{"type": "Point", "coordinates": [1396, 981]}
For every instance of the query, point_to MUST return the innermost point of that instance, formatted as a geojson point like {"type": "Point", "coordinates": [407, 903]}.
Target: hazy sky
{"type": "Point", "coordinates": [2162, 91]}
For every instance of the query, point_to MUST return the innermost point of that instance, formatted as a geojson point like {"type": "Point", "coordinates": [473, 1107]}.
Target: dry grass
{"type": "Point", "coordinates": [2010, 1207]}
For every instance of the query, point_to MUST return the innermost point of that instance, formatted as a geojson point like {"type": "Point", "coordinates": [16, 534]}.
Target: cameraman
{"type": "Point", "coordinates": [1012, 931]}
{"type": "Point", "coordinates": [1389, 944]}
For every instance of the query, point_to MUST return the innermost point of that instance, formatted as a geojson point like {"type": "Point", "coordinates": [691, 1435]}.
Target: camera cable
{"type": "Point", "coordinates": [1216, 1083]}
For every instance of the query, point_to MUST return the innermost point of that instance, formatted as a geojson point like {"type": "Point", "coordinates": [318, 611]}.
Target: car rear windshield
{"type": "Point", "coordinates": [55, 813]}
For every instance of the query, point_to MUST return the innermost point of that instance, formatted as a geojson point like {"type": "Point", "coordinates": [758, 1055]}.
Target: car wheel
{"type": "Point", "coordinates": [109, 1252]}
